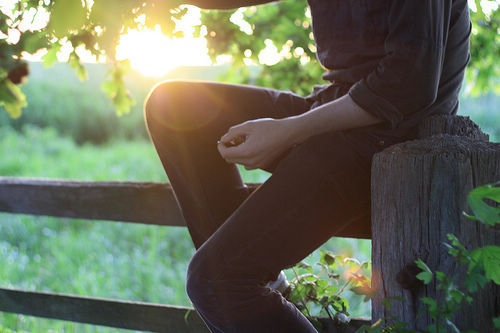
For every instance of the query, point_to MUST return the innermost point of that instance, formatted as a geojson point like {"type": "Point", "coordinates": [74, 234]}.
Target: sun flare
{"type": "Point", "coordinates": [153, 54]}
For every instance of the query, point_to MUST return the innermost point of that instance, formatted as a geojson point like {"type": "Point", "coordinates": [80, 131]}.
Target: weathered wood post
{"type": "Point", "coordinates": [419, 190]}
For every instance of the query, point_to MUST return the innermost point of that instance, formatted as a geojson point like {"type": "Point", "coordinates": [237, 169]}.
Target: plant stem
{"type": "Point", "coordinates": [301, 301]}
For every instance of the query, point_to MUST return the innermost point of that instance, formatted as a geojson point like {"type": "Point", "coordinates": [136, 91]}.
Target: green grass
{"type": "Point", "coordinates": [93, 258]}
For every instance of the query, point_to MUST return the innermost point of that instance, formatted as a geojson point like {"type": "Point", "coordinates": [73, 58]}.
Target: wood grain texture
{"type": "Point", "coordinates": [452, 125]}
{"type": "Point", "coordinates": [419, 190]}
{"type": "Point", "coordinates": [124, 314]}
{"type": "Point", "coordinates": [142, 202]}
{"type": "Point", "coordinates": [100, 311]}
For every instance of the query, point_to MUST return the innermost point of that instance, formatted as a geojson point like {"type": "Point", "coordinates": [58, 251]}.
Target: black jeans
{"type": "Point", "coordinates": [318, 189]}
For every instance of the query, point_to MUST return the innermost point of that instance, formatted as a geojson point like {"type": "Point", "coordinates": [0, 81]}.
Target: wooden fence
{"type": "Point", "coordinates": [139, 202]}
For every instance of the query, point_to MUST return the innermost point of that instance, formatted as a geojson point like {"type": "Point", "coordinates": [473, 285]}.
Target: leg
{"type": "Point", "coordinates": [185, 119]}
{"type": "Point", "coordinates": [316, 192]}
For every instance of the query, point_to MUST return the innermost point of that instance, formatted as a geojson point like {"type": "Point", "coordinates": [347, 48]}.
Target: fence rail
{"type": "Point", "coordinates": [140, 202]}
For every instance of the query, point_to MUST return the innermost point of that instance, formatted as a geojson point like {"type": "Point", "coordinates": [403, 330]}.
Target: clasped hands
{"type": "Point", "coordinates": [264, 140]}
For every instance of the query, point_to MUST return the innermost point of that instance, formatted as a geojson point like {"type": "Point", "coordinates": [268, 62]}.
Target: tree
{"type": "Point", "coordinates": [97, 25]}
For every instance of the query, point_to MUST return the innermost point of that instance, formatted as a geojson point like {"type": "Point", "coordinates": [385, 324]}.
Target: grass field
{"type": "Point", "coordinates": [70, 131]}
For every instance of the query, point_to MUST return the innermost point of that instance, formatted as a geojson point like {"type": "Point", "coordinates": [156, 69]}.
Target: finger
{"type": "Point", "coordinates": [234, 131]}
{"type": "Point", "coordinates": [243, 161]}
{"type": "Point", "coordinates": [240, 152]}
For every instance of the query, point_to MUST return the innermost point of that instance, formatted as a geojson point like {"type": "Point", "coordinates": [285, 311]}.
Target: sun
{"type": "Point", "coordinates": [153, 54]}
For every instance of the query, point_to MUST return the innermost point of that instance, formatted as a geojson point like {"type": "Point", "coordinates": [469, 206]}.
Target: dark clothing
{"type": "Point", "coordinates": [405, 58]}
{"type": "Point", "coordinates": [318, 189]}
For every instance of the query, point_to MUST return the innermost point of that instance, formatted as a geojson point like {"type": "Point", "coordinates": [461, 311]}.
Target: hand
{"type": "Point", "coordinates": [265, 140]}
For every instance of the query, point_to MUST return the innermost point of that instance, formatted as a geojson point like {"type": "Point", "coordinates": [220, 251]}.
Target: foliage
{"type": "Point", "coordinates": [287, 24]}
{"type": "Point", "coordinates": [91, 25]}
{"type": "Point", "coordinates": [97, 25]}
{"type": "Point", "coordinates": [484, 67]}
{"type": "Point", "coordinates": [485, 213]}
{"type": "Point", "coordinates": [481, 265]}
{"type": "Point", "coordinates": [318, 291]}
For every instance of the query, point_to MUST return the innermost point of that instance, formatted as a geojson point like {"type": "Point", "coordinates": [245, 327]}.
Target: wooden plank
{"type": "Point", "coordinates": [142, 202]}
{"type": "Point", "coordinates": [124, 314]}
{"type": "Point", "coordinates": [101, 311]}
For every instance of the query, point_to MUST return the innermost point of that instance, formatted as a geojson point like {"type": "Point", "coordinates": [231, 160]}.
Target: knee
{"type": "Point", "coordinates": [177, 105]}
{"type": "Point", "coordinates": [163, 101]}
{"type": "Point", "coordinates": [198, 276]}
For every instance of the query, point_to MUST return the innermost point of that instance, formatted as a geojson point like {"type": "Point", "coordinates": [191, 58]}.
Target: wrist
{"type": "Point", "coordinates": [295, 130]}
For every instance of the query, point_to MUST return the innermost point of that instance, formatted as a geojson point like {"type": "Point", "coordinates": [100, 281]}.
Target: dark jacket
{"type": "Point", "coordinates": [405, 59]}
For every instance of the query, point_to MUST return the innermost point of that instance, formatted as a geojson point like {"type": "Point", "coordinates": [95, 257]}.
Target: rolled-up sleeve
{"type": "Point", "coordinates": [406, 79]}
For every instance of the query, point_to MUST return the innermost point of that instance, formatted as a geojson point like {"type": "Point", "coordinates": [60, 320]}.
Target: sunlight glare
{"type": "Point", "coordinates": [154, 54]}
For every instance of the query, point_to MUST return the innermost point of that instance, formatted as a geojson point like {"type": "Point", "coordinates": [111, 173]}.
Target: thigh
{"type": "Point", "coordinates": [210, 108]}
{"type": "Point", "coordinates": [319, 189]}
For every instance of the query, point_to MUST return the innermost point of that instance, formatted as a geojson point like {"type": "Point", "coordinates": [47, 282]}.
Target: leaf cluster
{"type": "Point", "coordinates": [94, 26]}
{"type": "Point", "coordinates": [318, 291]}
{"type": "Point", "coordinates": [484, 67]}
{"type": "Point", "coordinates": [289, 22]}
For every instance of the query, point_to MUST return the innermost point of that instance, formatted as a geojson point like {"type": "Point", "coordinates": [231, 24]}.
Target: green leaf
{"type": "Point", "coordinates": [426, 277]}
{"type": "Point", "coordinates": [11, 98]}
{"type": "Point", "coordinates": [51, 56]}
{"type": "Point", "coordinates": [440, 276]}
{"type": "Point", "coordinates": [298, 294]}
{"type": "Point", "coordinates": [426, 274]}
{"type": "Point", "coordinates": [483, 212]}
{"type": "Point", "coordinates": [496, 322]}
{"type": "Point", "coordinates": [305, 266]}
{"type": "Point", "coordinates": [67, 16]}
{"type": "Point", "coordinates": [76, 64]}
{"type": "Point", "coordinates": [351, 261]}
{"type": "Point", "coordinates": [489, 256]}
{"type": "Point", "coordinates": [431, 303]}
{"type": "Point", "coordinates": [116, 90]}
{"type": "Point", "coordinates": [327, 257]}
{"type": "Point", "coordinates": [456, 295]}
{"type": "Point", "coordinates": [33, 41]}
{"type": "Point", "coordinates": [474, 281]}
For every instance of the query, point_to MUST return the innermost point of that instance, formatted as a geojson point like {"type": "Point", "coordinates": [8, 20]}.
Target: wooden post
{"type": "Point", "coordinates": [419, 190]}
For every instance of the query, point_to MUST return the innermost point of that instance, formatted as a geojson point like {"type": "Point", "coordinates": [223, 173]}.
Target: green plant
{"type": "Point", "coordinates": [318, 291]}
